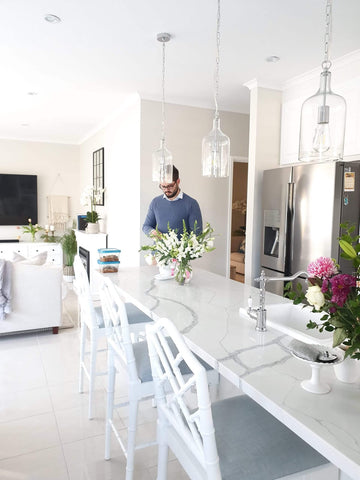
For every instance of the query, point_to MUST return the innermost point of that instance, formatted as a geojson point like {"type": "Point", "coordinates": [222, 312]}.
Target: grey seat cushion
{"type": "Point", "coordinates": [99, 317]}
{"type": "Point", "coordinates": [135, 315]}
{"type": "Point", "coordinates": [142, 359]}
{"type": "Point", "coordinates": [254, 445]}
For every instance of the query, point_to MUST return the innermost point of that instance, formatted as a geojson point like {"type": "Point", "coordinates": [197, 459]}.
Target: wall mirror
{"type": "Point", "coordinates": [98, 173]}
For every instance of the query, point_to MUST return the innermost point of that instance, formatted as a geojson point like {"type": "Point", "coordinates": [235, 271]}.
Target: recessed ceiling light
{"type": "Point", "coordinates": [272, 59]}
{"type": "Point", "coordinates": [25, 124]}
{"type": "Point", "coordinates": [52, 18]}
{"type": "Point", "coordinates": [32, 93]}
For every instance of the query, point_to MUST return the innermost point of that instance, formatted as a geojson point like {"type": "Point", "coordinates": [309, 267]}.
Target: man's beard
{"type": "Point", "coordinates": [173, 194]}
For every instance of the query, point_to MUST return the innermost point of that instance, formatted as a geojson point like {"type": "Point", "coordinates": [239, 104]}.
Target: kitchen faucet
{"type": "Point", "coordinates": [259, 313]}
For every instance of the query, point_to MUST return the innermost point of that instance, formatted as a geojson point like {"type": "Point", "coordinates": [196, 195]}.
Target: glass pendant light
{"type": "Point", "coordinates": [216, 145]}
{"type": "Point", "coordinates": [162, 162]}
{"type": "Point", "coordinates": [322, 124]}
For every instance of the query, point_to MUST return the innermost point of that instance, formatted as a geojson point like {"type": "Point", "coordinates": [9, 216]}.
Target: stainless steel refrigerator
{"type": "Point", "coordinates": [303, 207]}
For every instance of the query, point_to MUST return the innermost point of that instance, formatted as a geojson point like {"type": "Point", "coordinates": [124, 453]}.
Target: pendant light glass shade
{"type": "Point", "coordinates": [162, 165]}
{"type": "Point", "coordinates": [162, 160]}
{"type": "Point", "coordinates": [215, 152]}
{"type": "Point", "coordinates": [215, 156]}
{"type": "Point", "coordinates": [322, 125]}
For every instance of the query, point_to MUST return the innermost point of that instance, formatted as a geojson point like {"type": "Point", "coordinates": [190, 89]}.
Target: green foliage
{"type": "Point", "coordinates": [297, 295]}
{"type": "Point", "coordinates": [69, 245]}
{"type": "Point", "coordinates": [349, 244]}
{"type": "Point", "coordinates": [32, 229]}
{"type": "Point", "coordinates": [92, 217]}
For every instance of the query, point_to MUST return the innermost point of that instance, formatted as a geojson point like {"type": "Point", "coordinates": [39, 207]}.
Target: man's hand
{"type": "Point", "coordinates": [155, 233]}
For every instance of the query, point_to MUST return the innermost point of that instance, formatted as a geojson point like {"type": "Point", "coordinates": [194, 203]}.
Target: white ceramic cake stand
{"type": "Point", "coordinates": [314, 384]}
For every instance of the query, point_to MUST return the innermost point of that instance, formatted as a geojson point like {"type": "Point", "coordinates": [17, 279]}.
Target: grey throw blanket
{"type": "Point", "coordinates": [5, 288]}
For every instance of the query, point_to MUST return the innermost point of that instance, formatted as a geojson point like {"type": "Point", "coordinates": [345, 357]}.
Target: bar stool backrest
{"type": "Point", "coordinates": [187, 425]}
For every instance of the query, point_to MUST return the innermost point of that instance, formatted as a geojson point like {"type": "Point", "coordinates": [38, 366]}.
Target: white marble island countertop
{"type": "Point", "coordinates": [206, 311]}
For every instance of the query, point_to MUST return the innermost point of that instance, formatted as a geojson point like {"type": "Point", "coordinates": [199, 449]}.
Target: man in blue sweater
{"type": "Point", "coordinates": [171, 208]}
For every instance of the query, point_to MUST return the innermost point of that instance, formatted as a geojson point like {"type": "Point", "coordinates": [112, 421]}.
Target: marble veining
{"type": "Point", "coordinates": [176, 303]}
{"type": "Point", "coordinates": [206, 311]}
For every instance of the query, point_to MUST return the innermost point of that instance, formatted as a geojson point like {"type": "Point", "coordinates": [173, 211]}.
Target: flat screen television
{"type": "Point", "coordinates": [18, 199]}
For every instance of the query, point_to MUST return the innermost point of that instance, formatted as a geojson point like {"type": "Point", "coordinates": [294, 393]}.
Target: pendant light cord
{"type": "Point", "coordinates": [328, 20]}
{"type": "Point", "coordinates": [163, 96]}
{"type": "Point", "coordinates": [217, 64]}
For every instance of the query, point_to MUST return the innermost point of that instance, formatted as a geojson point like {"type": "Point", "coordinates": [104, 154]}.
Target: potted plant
{"type": "Point", "coordinates": [91, 197]}
{"type": "Point", "coordinates": [69, 246]}
{"type": "Point", "coordinates": [32, 229]}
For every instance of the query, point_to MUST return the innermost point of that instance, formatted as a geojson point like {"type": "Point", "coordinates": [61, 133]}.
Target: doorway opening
{"type": "Point", "coordinates": [238, 219]}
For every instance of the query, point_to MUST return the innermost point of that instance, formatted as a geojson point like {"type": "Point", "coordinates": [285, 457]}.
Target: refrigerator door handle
{"type": "Point", "coordinates": [289, 221]}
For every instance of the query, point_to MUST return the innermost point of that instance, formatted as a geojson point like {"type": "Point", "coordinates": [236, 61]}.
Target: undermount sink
{"type": "Point", "coordinates": [292, 320]}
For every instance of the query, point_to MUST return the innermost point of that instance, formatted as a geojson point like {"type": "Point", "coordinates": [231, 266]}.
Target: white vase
{"type": "Point", "coordinates": [92, 228]}
{"type": "Point", "coordinates": [167, 270]}
{"type": "Point", "coordinates": [348, 371]}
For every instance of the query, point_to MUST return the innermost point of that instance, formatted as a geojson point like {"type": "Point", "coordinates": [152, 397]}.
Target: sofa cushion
{"type": "Point", "coordinates": [16, 257]}
{"type": "Point", "coordinates": [38, 259]}
{"type": "Point", "coordinates": [36, 298]}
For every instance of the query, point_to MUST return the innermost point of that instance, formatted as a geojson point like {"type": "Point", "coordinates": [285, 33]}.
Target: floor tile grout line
{"type": "Point", "coordinates": [31, 452]}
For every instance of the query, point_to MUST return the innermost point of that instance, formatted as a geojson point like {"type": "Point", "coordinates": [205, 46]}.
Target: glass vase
{"type": "Point", "coordinates": [183, 273]}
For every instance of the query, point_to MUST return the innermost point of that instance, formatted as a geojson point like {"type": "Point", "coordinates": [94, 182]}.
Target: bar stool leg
{"type": "Point", "coordinates": [109, 402]}
{"type": "Point", "coordinates": [133, 410]}
{"type": "Point", "coordinates": [82, 357]}
{"type": "Point", "coordinates": [92, 373]}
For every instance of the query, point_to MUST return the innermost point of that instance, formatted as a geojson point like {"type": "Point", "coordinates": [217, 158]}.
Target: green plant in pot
{"type": "Point", "coordinates": [69, 246]}
{"type": "Point", "coordinates": [91, 197]}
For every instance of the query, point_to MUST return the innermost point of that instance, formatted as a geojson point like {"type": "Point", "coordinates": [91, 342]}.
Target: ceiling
{"type": "Point", "coordinates": [59, 82]}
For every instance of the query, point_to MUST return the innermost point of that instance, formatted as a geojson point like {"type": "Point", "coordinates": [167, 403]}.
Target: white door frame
{"type": "Point", "coordinates": [233, 159]}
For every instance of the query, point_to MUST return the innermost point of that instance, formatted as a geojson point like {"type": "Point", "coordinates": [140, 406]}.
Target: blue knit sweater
{"type": "Point", "coordinates": [163, 212]}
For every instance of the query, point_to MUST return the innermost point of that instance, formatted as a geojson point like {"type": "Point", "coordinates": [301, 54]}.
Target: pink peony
{"type": "Point", "coordinates": [341, 285]}
{"type": "Point", "coordinates": [323, 267]}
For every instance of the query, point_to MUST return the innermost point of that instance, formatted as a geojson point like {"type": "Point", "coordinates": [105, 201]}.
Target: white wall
{"type": "Point", "coordinates": [264, 153]}
{"type": "Point", "coordinates": [185, 128]}
{"type": "Point", "coordinates": [121, 212]}
{"type": "Point", "coordinates": [57, 168]}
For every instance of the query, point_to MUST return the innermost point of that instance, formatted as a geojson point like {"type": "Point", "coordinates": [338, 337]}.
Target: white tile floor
{"type": "Point", "coordinates": [44, 430]}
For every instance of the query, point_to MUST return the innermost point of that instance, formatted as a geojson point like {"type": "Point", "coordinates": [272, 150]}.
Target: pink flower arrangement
{"type": "Point", "coordinates": [322, 267]}
{"type": "Point", "coordinates": [341, 286]}
{"type": "Point", "coordinates": [335, 295]}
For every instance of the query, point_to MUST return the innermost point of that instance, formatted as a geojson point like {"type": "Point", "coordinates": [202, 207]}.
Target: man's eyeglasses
{"type": "Point", "coordinates": [170, 186]}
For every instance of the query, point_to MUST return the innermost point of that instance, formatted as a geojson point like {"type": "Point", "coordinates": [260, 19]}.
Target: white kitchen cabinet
{"type": "Point", "coordinates": [351, 92]}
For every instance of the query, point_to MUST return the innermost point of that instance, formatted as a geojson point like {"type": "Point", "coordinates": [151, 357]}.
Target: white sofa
{"type": "Point", "coordinates": [36, 299]}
